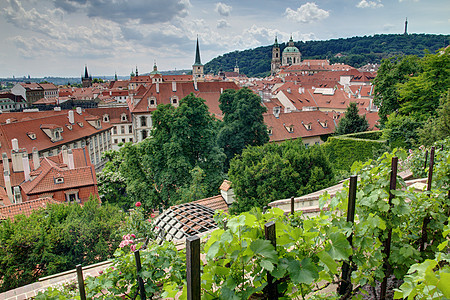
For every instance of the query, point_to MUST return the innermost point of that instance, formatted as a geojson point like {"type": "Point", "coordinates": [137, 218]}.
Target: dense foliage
{"type": "Point", "coordinates": [413, 96]}
{"type": "Point", "coordinates": [243, 122]}
{"type": "Point", "coordinates": [352, 122]}
{"type": "Point", "coordinates": [56, 239]}
{"type": "Point", "coordinates": [343, 151]}
{"type": "Point", "coordinates": [357, 51]}
{"type": "Point", "coordinates": [309, 251]}
{"type": "Point", "coordinates": [277, 171]}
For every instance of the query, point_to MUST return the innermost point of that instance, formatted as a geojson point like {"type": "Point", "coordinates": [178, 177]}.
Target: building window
{"type": "Point", "coordinates": [59, 180]}
{"type": "Point", "coordinates": [143, 121]}
{"type": "Point", "coordinates": [31, 135]}
{"type": "Point", "coordinates": [130, 139]}
{"type": "Point", "coordinates": [115, 141]}
{"type": "Point", "coordinates": [130, 129]}
{"type": "Point", "coordinates": [144, 134]}
{"type": "Point", "coordinates": [123, 117]}
{"type": "Point", "coordinates": [122, 129]}
{"type": "Point", "coordinates": [72, 197]}
{"type": "Point", "coordinates": [105, 118]}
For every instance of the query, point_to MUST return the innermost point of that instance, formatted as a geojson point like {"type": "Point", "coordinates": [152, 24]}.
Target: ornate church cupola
{"type": "Point", "coordinates": [197, 67]}
{"type": "Point", "coordinates": [137, 72]}
{"type": "Point", "coordinates": [291, 54]}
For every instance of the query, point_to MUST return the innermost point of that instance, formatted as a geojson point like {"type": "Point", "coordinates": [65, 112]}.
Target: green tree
{"type": "Point", "coordinates": [352, 122]}
{"type": "Point", "coordinates": [420, 94]}
{"type": "Point", "coordinates": [437, 128]}
{"type": "Point", "coordinates": [262, 174]}
{"type": "Point", "coordinates": [392, 72]}
{"type": "Point", "coordinates": [56, 239]}
{"type": "Point", "coordinates": [243, 122]}
{"type": "Point", "coordinates": [401, 131]}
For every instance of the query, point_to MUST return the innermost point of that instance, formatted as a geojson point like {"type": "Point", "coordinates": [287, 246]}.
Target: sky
{"type": "Point", "coordinates": [59, 37]}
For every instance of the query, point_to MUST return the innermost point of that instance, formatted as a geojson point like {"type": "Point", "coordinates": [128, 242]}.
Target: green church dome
{"type": "Point", "coordinates": [290, 49]}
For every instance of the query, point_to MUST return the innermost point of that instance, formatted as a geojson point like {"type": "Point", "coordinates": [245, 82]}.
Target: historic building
{"type": "Point", "coordinates": [276, 58]}
{"type": "Point", "coordinates": [291, 54]}
{"type": "Point", "coordinates": [86, 80]}
{"type": "Point", "coordinates": [197, 67]}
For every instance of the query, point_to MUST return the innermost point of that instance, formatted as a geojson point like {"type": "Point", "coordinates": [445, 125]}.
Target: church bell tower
{"type": "Point", "coordinates": [276, 58]}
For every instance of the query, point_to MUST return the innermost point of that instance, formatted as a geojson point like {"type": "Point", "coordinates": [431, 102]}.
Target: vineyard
{"type": "Point", "coordinates": [375, 233]}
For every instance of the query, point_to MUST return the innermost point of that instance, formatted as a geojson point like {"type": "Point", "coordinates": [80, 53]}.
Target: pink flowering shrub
{"type": "Point", "coordinates": [137, 226]}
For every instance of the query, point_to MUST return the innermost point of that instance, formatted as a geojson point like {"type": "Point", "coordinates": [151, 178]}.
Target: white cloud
{"type": "Point", "coordinates": [223, 9]}
{"type": "Point", "coordinates": [307, 13]}
{"type": "Point", "coordinates": [222, 23]}
{"type": "Point", "coordinates": [369, 4]}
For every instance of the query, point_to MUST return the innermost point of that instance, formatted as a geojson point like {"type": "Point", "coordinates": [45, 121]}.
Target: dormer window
{"type": "Point", "coordinates": [307, 126]}
{"type": "Point", "coordinates": [59, 180]}
{"type": "Point", "coordinates": [106, 118]}
{"type": "Point", "coordinates": [289, 128]}
{"type": "Point", "coordinates": [323, 124]}
{"type": "Point", "coordinates": [152, 102]}
{"type": "Point", "coordinates": [270, 131]}
{"type": "Point", "coordinates": [80, 124]}
{"type": "Point", "coordinates": [69, 126]}
{"type": "Point", "coordinates": [123, 117]}
{"type": "Point", "coordinates": [31, 135]}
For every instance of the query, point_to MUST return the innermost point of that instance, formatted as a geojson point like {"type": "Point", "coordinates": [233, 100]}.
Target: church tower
{"type": "Point", "coordinates": [406, 27]}
{"type": "Point", "coordinates": [236, 68]}
{"type": "Point", "coordinates": [86, 81]}
{"type": "Point", "coordinates": [197, 67]}
{"type": "Point", "coordinates": [276, 58]}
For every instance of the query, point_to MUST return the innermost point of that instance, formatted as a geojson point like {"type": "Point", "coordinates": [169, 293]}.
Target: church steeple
{"type": "Point", "coordinates": [86, 75]}
{"type": "Point", "coordinates": [276, 58]}
{"type": "Point", "coordinates": [406, 27]}
{"type": "Point", "coordinates": [137, 73]}
{"type": "Point", "coordinates": [86, 80]}
{"type": "Point", "coordinates": [115, 76]}
{"type": "Point", "coordinates": [197, 67]}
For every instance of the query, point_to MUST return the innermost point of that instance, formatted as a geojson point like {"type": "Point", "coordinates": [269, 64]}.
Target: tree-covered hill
{"type": "Point", "coordinates": [357, 51]}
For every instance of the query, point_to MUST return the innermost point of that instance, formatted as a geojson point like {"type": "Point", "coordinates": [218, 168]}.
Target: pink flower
{"type": "Point", "coordinates": [410, 151]}
{"type": "Point", "coordinates": [138, 204]}
{"type": "Point", "coordinates": [133, 248]}
{"type": "Point", "coordinates": [133, 236]}
{"type": "Point", "coordinates": [152, 216]}
{"type": "Point", "coordinates": [100, 272]}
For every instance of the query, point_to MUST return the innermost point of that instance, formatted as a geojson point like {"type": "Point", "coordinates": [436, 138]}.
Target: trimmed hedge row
{"type": "Point", "coordinates": [344, 150]}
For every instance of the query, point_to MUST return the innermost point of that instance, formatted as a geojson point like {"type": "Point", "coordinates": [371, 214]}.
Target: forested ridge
{"type": "Point", "coordinates": [357, 51]}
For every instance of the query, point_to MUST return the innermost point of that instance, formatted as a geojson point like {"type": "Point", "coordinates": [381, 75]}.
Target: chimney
{"type": "Point", "coordinates": [79, 110]}
{"type": "Point", "coordinates": [110, 92]}
{"type": "Point", "coordinates": [36, 161]}
{"type": "Point", "coordinates": [15, 144]}
{"type": "Point", "coordinates": [157, 87]}
{"type": "Point", "coordinates": [57, 108]}
{"type": "Point", "coordinates": [71, 117]}
{"type": "Point", "coordinates": [70, 157]}
{"type": "Point", "coordinates": [221, 91]}
{"type": "Point", "coordinates": [195, 84]}
{"type": "Point", "coordinates": [26, 166]}
{"type": "Point", "coordinates": [65, 155]}
{"type": "Point", "coordinates": [7, 179]}
{"type": "Point", "coordinates": [8, 121]}
{"type": "Point", "coordinates": [227, 192]}
{"type": "Point", "coordinates": [174, 86]}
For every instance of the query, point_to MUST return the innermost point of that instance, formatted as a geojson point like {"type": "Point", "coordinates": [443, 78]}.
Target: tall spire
{"type": "Point", "coordinates": [137, 73]}
{"type": "Point", "coordinates": [406, 26]}
{"type": "Point", "coordinates": [276, 42]}
{"type": "Point", "coordinates": [115, 76]}
{"type": "Point", "coordinates": [197, 55]}
{"type": "Point", "coordinates": [86, 75]}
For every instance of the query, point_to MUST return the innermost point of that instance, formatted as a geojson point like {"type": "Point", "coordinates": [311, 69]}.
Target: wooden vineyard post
{"type": "Point", "coordinates": [346, 283]}
{"type": "Point", "coordinates": [269, 230]}
{"type": "Point", "coordinates": [387, 242]}
{"type": "Point", "coordinates": [426, 159]}
{"type": "Point", "coordinates": [137, 258]}
{"type": "Point", "coordinates": [292, 205]}
{"type": "Point", "coordinates": [427, 220]}
{"type": "Point", "coordinates": [81, 282]}
{"type": "Point", "coordinates": [193, 268]}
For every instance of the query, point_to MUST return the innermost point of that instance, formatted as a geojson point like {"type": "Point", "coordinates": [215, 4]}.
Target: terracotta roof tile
{"type": "Point", "coordinates": [25, 208]}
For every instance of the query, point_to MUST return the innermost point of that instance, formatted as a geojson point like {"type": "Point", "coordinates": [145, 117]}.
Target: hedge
{"type": "Point", "coordinates": [344, 150]}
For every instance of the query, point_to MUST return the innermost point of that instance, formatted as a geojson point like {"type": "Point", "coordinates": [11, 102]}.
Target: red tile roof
{"type": "Point", "coordinates": [25, 208]}
{"type": "Point", "coordinates": [33, 121]}
{"type": "Point", "coordinates": [298, 120]}
{"type": "Point", "coordinates": [215, 203]}
{"type": "Point", "coordinates": [114, 113]}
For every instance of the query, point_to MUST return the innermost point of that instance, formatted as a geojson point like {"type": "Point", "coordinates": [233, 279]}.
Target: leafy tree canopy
{"type": "Point", "coordinates": [243, 122]}
{"type": "Point", "coordinates": [56, 239]}
{"type": "Point", "coordinates": [262, 174]}
{"type": "Point", "coordinates": [352, 122]}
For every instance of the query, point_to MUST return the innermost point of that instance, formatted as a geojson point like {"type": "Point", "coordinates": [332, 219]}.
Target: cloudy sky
{"type": "Point", "coordinates": [58, 37]}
